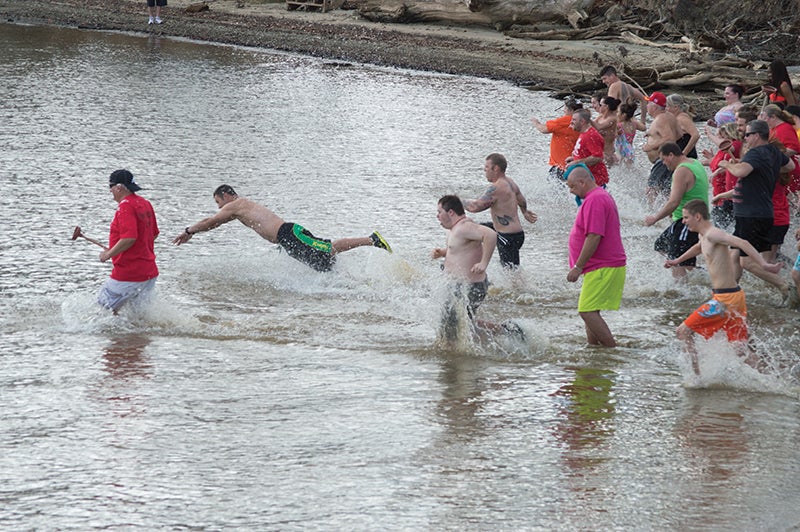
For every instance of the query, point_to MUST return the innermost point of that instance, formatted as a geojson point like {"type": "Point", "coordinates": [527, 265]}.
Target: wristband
{"type": "Point", "coordinates": [187, 231]}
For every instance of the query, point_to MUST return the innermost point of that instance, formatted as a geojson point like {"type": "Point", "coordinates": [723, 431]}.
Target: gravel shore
{"type": "Point", "coordinates": [342, 35]}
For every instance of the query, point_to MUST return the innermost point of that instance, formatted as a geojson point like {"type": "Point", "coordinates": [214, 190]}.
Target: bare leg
{"type": "Point", "coordinates": [772, 278]}
{"type": "Point", "coordinates": [687, 335]}
{"type": "Point", "coordinates": [751, 358]}
{"type": "Point", "coordinates": [346, 244]}
{"type": "Point", "coordinates": [597, 331]}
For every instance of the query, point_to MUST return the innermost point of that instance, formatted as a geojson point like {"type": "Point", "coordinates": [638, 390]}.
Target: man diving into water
{"type": "Point", "coordinates": [299, 243]}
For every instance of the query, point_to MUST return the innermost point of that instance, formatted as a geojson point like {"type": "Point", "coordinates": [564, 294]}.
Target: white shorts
{"type": "Point", "coordinates": [113, 294]}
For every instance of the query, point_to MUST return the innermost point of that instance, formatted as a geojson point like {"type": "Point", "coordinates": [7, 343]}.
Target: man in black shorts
{"type": "Point", "coordinates": [503, 198]}
{"type": "Point", "coordinates": [299, 243]}
{"type": "Point", "coordinates": [752, 197]}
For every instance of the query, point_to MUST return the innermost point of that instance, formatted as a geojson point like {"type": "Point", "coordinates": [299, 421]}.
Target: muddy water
{"type": "Point", "coordinates": [257, 394]}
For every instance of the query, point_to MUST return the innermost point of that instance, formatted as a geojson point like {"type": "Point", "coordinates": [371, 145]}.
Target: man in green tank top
{"type": "Point", "coordinates": [689, 181]}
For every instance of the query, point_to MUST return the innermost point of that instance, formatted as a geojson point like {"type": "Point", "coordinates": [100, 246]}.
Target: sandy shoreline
{"type": "Point", "coordinates": [343, 36]}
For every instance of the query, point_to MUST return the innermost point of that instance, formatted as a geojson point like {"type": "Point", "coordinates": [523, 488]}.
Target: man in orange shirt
{"type": "Point", "coordinates": [564, 137]}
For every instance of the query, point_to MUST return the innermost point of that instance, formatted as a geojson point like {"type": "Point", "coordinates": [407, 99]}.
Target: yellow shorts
{"type": "Point", "coordinates": [602, 289]}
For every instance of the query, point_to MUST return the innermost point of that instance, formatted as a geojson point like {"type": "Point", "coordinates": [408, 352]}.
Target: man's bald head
{"type": "Point", "coordinates": [580, 180]}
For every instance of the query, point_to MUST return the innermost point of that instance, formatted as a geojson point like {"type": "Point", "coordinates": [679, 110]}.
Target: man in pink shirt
{"type": "Point", "coordinates": [596, 251]}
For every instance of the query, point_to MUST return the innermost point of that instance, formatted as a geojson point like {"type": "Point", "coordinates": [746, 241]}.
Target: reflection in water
{"type": "Point", "coordinates": [124, 357]}
{"type": "Point", "coordinates": [586, 418]}
{"type": "Point", "coordinates": [462, 387]}
{"type": "Point", "coordinates": [712, 434]}
{"type": "Point", "coordinates": [125, 365]}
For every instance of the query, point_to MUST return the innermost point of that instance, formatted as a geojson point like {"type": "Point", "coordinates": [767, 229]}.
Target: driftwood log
{"type": "Point", "coordinates": [411, 11]}
{"type": "Point", "coordinates": [497, 13]}
{"type": "Point", "coordinates": [532, 11]}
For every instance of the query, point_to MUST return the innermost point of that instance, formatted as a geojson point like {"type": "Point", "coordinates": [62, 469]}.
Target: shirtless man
{"type": "Point", "coordinates": [727, 310]}
{"type": "Point", "coordinates": [466, 256]}
{"type": "Point", "coordinates": [622, 91]}
{"type": "Point", "coordinates": [503, 197]}
{"type": "Point", "coordinates": [299, 243]}
{"type": "Point", "coordinates": [663, 129]}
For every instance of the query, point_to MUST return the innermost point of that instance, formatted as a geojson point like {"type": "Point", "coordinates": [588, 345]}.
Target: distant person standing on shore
{"type": "Point", "coordinates": [154, 7]}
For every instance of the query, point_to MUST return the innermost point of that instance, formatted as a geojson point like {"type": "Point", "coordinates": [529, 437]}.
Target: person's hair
{"type": "Point", "coordinates": [611, 102]}
{"type": "Point", "coordinates": [730, 130]}
{"type": "Point", "coordinates": [747, 113]}
{"type": "Point", "coordinates": [793, 109]}
{"type": "Point", "coordinates": [738, 89]}
{"type": "Point", "coordinates": [697, 206]}
{"type": "Point", "coordinates": [677, 100]}
{"type": "Point", "coordinates": [608, 70]}
{"type": "Point", "coordinates": [498, 160]}
{"type": "Point", "coordinates": [773, 111]}
{"type": "Point", "coordinates": [452, 203]}
{"type": "Point", "coordinates": [760, 127]}
{"type": "Point", "coordinates": [583, 114]}
{"type": "Point", "coordinates": [670, 148]}
{"type": "Point", "coordinates": [573, 104]}
{"type": "Point", "coordinates": [224, 189]}
{"type": "Point", "coordinates": [778, 74]}
{"type": "Point", "coordinates": [628, 109]}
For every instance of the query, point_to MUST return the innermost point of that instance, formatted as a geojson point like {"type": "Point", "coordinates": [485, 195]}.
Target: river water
{"type": "Point", "coordinates": [255, 393]}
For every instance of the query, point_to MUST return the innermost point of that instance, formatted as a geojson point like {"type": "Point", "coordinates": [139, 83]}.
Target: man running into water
{"type": "Point", "coordinates": [503, 197]}
{"type": "Point", "coordinates": [299, 243]}
{"type": "Point", "coordinates": [466, 255]}
{"type": "Point", "coordinates": [727, 309]}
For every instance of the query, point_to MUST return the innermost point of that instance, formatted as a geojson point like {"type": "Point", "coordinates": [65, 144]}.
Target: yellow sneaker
{"type": "Point", "coordinates": [379, 242]}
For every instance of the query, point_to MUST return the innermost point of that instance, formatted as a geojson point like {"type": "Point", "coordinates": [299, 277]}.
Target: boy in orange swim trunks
{"type": "Point", "coordinates": [727, 310]}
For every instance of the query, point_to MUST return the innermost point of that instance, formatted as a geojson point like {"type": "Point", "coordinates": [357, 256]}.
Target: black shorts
{"type": "Point", "coordinates": [754, 230]}
{"type": "Point", "coordinates": [556, 173]}
{"type": "Point", "coordinates": [777, 234]}
{"type": "Point", "coordinates": [300, 244]}
{"type": "Point", "coordinates": [508, 246]}
{"type": "Point", "coordinates": [154, 3]}
{"type": "Point", "coordinates": [660, 177]}
{"type": "Point", "coordinates": [675, 241]}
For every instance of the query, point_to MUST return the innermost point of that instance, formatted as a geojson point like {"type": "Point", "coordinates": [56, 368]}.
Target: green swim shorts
{"type": "Point", "coordinates": [602, 289]}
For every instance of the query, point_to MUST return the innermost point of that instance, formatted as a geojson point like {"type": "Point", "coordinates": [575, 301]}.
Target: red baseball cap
{"type": "Point", "coordinates": [658, 98]}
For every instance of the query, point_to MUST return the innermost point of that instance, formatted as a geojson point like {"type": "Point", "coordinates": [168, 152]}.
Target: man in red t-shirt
{"type": "Point", "coordinates": [589, 148]}
{"type": "Point", "coordinates": [131, 237]}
